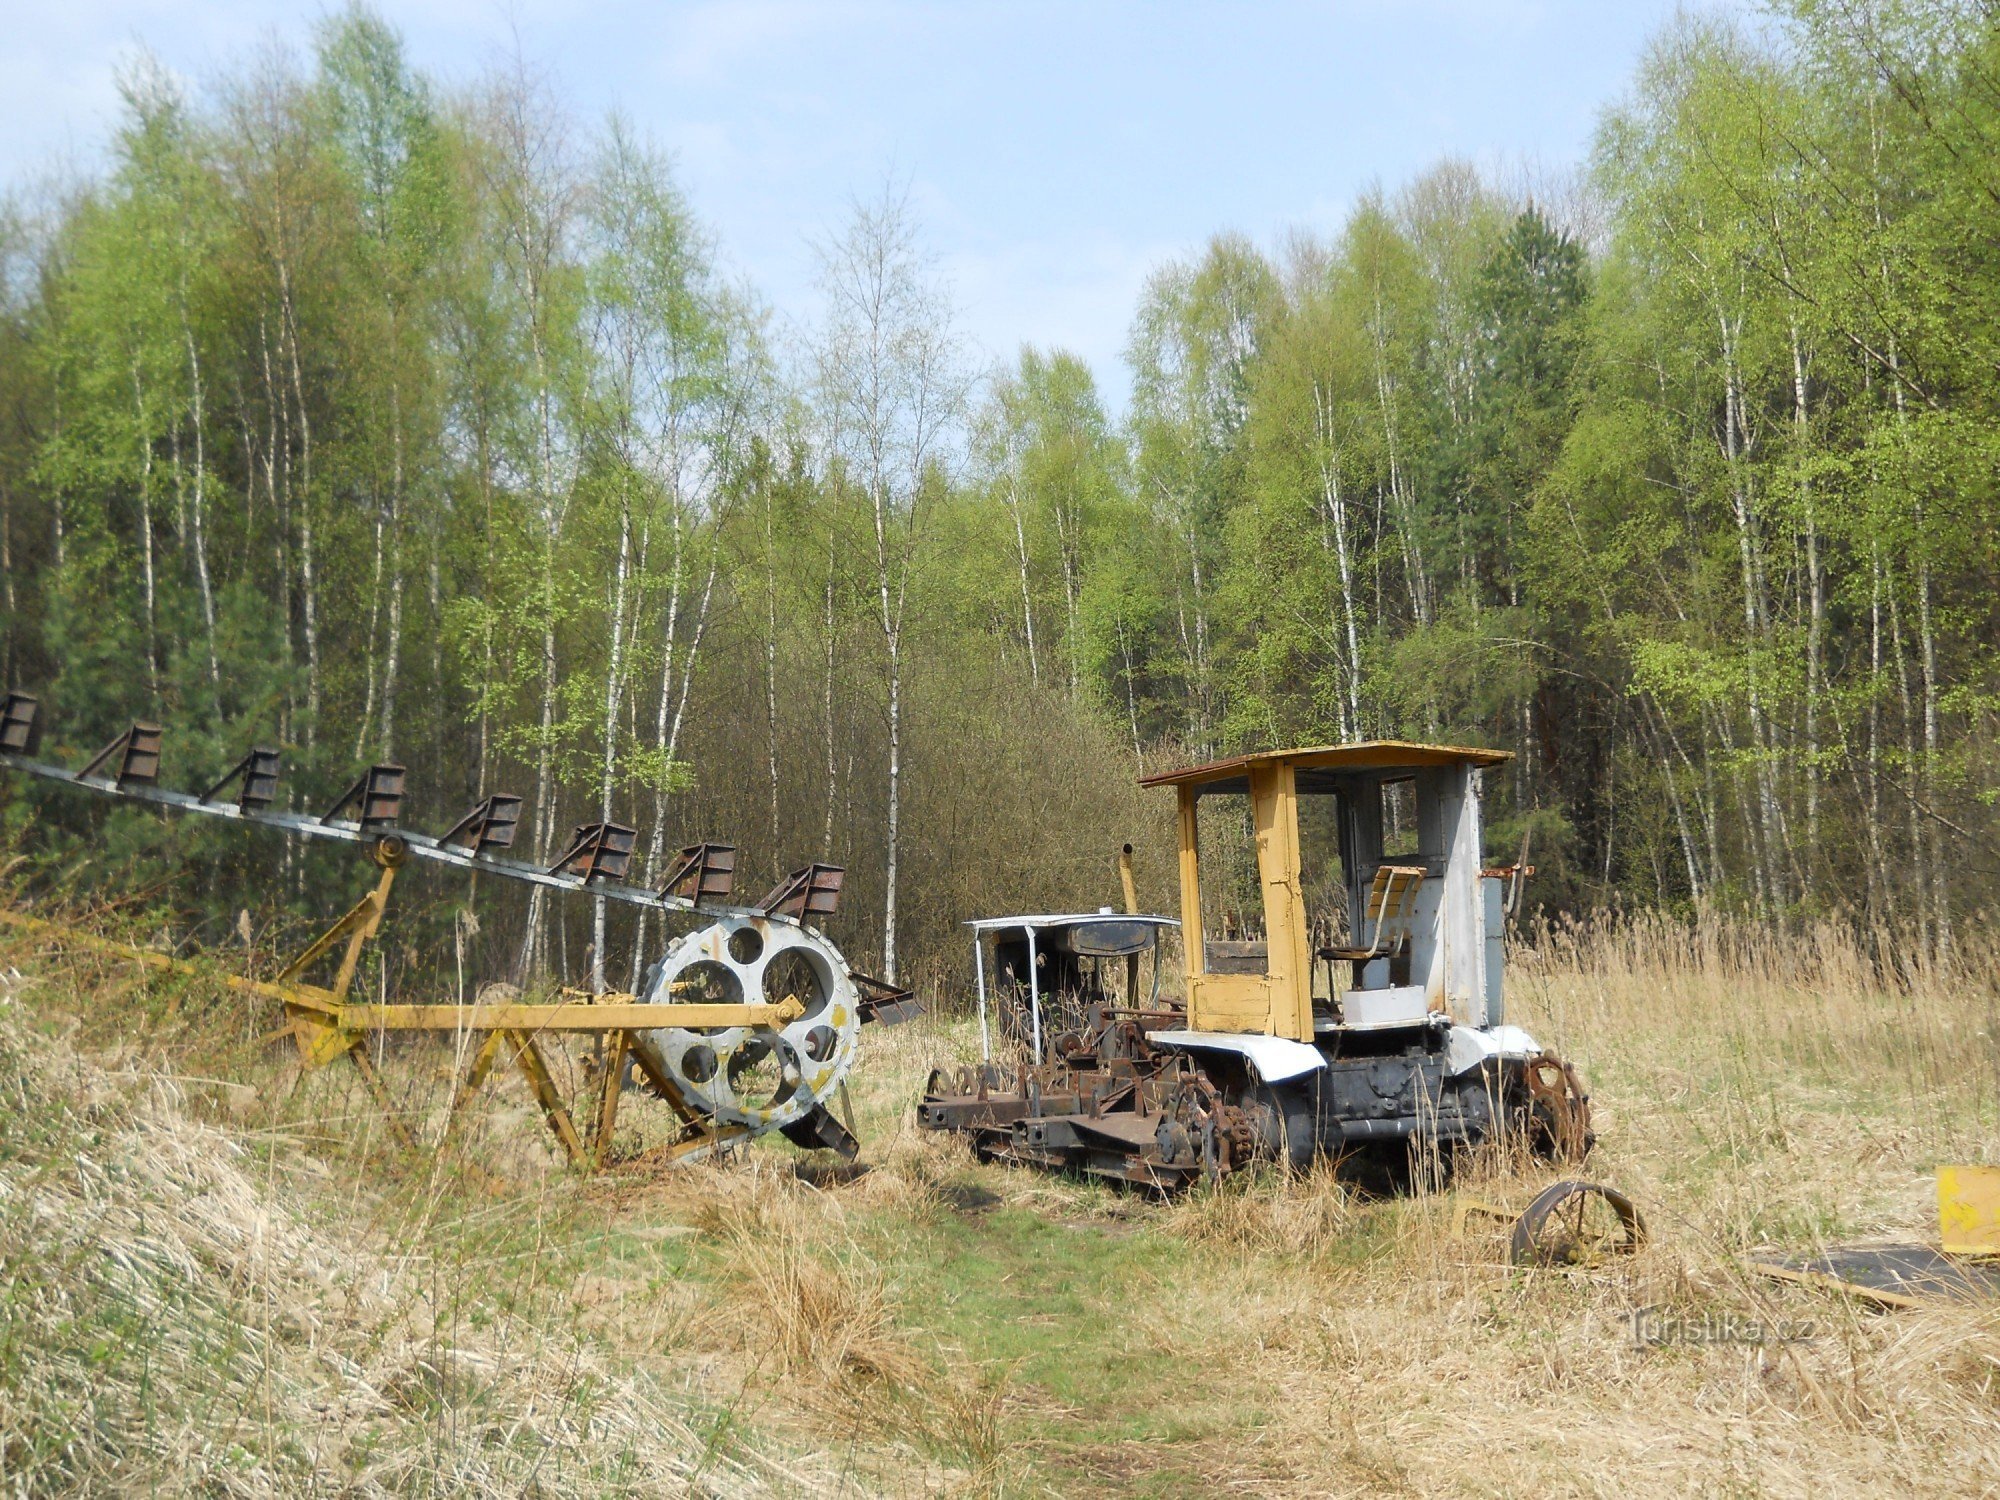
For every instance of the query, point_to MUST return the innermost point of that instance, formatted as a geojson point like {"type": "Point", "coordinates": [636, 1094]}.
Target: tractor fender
{"type": "Point", "coordinates": [1277, 1059]}
{"type": "Point", "coordinates": [1469, 1047]}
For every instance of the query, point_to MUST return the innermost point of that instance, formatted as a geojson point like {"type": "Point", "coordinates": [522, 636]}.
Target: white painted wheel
{"type": "Point", "coordinates": [761, 1077]}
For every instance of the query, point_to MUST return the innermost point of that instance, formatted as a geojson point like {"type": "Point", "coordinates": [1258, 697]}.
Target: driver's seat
{"type": "Point", "coordinates": [1392, 902]}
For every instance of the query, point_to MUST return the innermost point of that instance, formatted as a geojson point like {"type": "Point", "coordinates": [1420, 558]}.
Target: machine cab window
{"type": "Point", "coordinates": [1336, 889]}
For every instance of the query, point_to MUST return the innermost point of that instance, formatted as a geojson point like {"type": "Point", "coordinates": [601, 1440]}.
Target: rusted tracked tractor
{"type": "Point", "coordinates": [746, 1025]}
{"type": "Point", "coordinates": [1109, 1104]}
{"type": "Point", "coordinates": [1373, 1033]}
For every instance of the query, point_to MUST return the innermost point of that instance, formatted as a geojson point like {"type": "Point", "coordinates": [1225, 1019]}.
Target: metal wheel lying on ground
{"type": "Point", "coordinates": [1576, 1224]}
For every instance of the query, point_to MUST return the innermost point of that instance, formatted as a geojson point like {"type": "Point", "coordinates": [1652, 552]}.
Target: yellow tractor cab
{"type": "Point", "coordinates": [1343, 990]}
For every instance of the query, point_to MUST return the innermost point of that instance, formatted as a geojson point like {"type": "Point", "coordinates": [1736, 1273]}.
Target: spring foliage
{"type": "Point", "coordinates": [394, 423]}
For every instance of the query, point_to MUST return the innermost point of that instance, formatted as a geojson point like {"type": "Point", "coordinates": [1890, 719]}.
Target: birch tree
{"type": "Point", "coordinates": [892, 385]}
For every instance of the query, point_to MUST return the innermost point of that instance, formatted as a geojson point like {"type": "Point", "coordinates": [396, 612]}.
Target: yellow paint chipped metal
{"type": "Point", "coordinates": [1969, 1210]}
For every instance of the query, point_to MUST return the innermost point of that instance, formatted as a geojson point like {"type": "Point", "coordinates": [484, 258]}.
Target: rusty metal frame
{"type": "Point", "coordinates": [702, 872]}
{"type": "Point", "coordinates": [19, 723]}
{"type": "Point", "coordinates": [596, 851]}
{"type": "Point", "coordinates": [256, 776]}
{"type": "Point", "coordinates": [137, 752]}
{"type": "Point", "coordinates": [490, 824]}
{"type": "Point", "coordinates": [376, 798]}
{"type": "Point", "coordinates": [810, 891]}
{"type": "Point", "coordinates": [20, 726]}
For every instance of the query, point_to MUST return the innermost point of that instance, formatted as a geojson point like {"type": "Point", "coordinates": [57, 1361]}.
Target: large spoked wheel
{"type": "Point", "coordinates": [1577, 1224]}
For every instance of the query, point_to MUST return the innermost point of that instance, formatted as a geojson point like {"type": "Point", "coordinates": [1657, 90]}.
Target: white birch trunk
{"type": "Point", "coordinates": [614, 687]}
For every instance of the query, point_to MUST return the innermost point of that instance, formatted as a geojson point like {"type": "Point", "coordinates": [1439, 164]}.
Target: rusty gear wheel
{"type": "Point", "coordinates": [1558, 1108]}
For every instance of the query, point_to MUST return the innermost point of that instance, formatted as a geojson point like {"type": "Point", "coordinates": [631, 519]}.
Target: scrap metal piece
{"type": "Point", "coordinates": [1465, 1209]}
{"type": "Point", "coordinates": [1969, 1210]}
{"type": "Point", "coordinates": [611, 1076]}
{"type": "Point", "coordinates": [764, 1048]}
{"type": "Point", "coordinates": [596, 851]}
{"type": "Point", "coordinates": [1559, 1108]}
{"type": "Point", "coordinates": [490, 824]}
{"type": "Point", "coordinates": [1109, 1104]}
{"type": "Point", "coordinates": [256, 776]}
{"type": "Point", "coordinates": [702, 872]}
{"type": "Point", "coordinates": [1894, 1276]}
{"type": "Point", "coordinates": [884, 1003]}
{"type": "Point", "coordinates": [376, 797]}
{"type": "Point", "coordinates": [820, 1131]}
{"type": "Point", "coordinates": [20, 724]}
{"type": "Point", "coordinates": [535, 1068]}
{"type": "Point", "coordinates": [137, 751]}
{"type": "Point", "coordinates": [810, 891]}
{"type": "Point", "coordinates": [1576, 1224]}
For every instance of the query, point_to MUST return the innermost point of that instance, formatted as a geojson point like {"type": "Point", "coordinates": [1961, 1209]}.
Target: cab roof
{"type": "Point", "coordinates": [1071, 919]}
{"type": "Point", "coordinates": [1363, 755]}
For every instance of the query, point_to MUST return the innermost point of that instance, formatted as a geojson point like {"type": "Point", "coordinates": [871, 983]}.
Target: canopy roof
{"type": "Point", "coordinates": [1071, 919]}
{"type": "Point", "coordinates": [1365, 755]}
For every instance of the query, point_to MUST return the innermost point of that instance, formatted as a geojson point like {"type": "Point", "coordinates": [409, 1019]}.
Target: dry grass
{"type": "Point", "coordinates": [928, 1325]}
{"type": "Point", "coordinates": [1748, 1093]}
{"type": "Point", "coordinates": [188, 1312]}
{"type": "Point", "coordinates": [1751, 1092]}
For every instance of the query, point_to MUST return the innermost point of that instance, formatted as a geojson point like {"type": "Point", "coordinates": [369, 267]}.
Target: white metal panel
{"type": "Point", "coordinates": [1469, 1046]}
{"type": "Point", "coordinates": [1069, 919]}
{"type": "Point", "coordinates": [1276, 1058]}
{"type": "Point", "coordinates": [1460, 976]}
{"type": "Point", "coordinates": [1397, 1005]}
{"type": "Point", "coordinates": [1427, 948]}
{"type": "Point", "coordinates": [1493, 889]}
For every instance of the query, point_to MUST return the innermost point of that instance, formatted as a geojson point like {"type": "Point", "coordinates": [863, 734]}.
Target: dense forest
{"type": "Point", "coordinates": [382, 421]}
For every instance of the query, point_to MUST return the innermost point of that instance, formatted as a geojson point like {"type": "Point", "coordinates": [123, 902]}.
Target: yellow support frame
{"type": "Point", "coordinates": [325, 1026]}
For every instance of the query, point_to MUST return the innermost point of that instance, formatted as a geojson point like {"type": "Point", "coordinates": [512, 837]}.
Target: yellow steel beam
{"type": "Point", "coordinates": [311, 996]}
{"type": "Point", "coordinates": [528, 1057]}
{"type": "Point", "coordinates": [567, 1017]}
{"type": "Point", "coordinates": [37, 926]}
{"type": "Point", "coordinates": [360, 922]}
{"type": "Point", "coordinates": [359, 936]}
{"type": "Point", "coordinates": [624, 1014]}
{"type": "Point", "coordinates": [1190, 866]}
{"type": "Point", "coordinates": [615, 1046]}
{"type": "Point", "coordinates": [1287, 946]}
{"type": "Point", "coordinates": [475, 1075]}
{"type": "Point", "coordinates": [325, 1027]}
{"type": "Point", "coordinates": [319, 1043]}
{"type": "Point", "coordinates": [704, 1141]}
{"type": "Point", "coordinates": [365, 1066]}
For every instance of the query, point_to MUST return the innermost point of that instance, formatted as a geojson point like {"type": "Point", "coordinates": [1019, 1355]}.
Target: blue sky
{"type": "Point", "coordinates": [1054, 152]}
